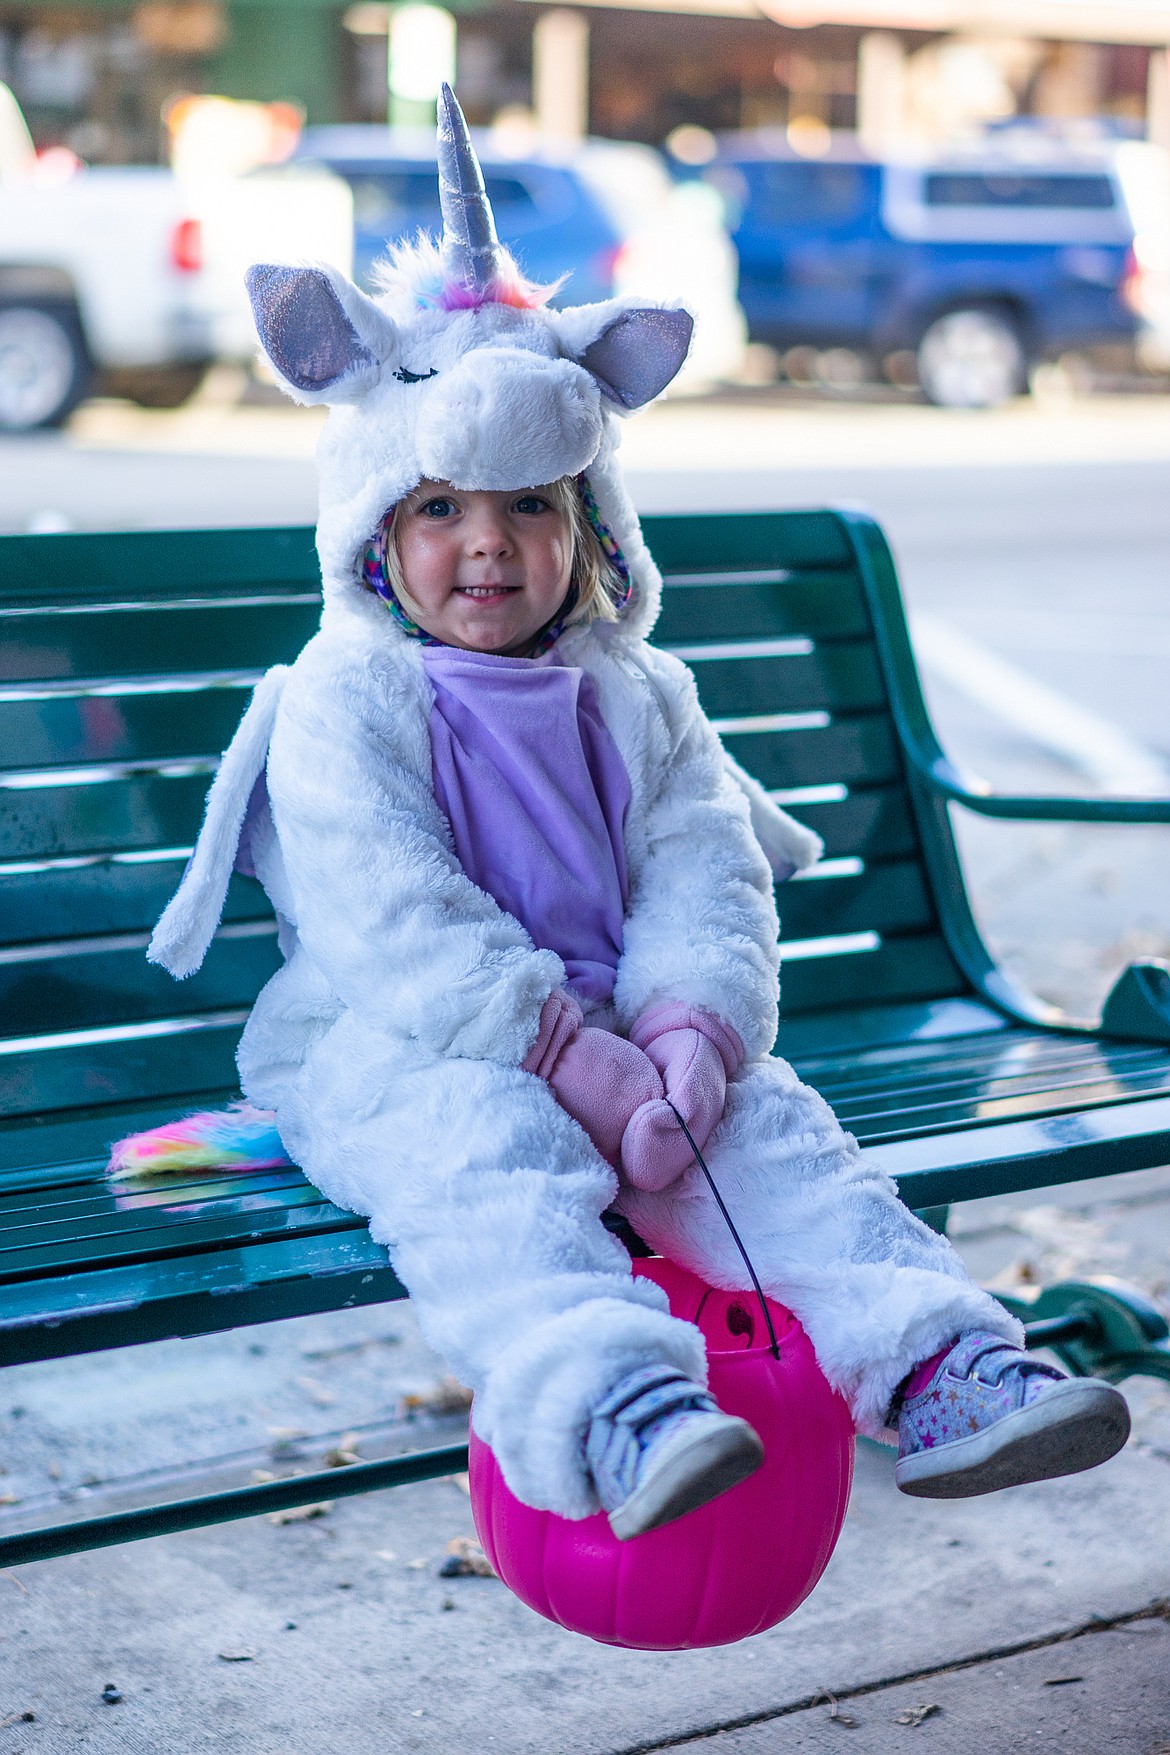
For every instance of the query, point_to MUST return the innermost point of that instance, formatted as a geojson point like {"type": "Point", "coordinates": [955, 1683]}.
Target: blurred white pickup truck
{"type": "Point", "coordinates": [130, 279]}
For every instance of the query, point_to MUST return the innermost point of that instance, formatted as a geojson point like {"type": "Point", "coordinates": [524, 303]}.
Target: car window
{"type": "Point", "coordinates": [820, 195]}
{"type": "Point", "coordinates": [389, 200]}
{"type": "Point", "coordinates": [1017, 189]}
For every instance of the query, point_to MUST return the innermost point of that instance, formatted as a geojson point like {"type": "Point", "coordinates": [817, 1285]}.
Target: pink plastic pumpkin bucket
{"type": "Point", "coordinates": [729, 1569]}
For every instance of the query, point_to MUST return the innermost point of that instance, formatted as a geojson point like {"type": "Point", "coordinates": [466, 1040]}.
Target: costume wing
{"type": "Point", "coordinates": [189, 922]}
{"type": "Point", "coordinates": [788, 845]}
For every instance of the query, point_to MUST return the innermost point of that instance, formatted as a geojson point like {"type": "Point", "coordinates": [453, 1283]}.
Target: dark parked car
{"type": "Point", "coordinates": [979, 265]}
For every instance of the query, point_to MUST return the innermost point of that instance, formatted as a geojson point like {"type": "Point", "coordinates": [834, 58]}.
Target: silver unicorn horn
{"type": "Point", "coordinates": [471, 249]}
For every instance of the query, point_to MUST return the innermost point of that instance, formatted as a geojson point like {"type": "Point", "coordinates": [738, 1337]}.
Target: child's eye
{"type": "Point", "coordinates": [529, 504]}
{"type": "Point", "coordinates": [437, 508]}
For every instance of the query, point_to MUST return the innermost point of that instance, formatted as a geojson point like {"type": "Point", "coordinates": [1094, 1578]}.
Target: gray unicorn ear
{"type": "Point", "coordinates": [636, 356]}
{"type": "Point", "coordinates": [324, 338]}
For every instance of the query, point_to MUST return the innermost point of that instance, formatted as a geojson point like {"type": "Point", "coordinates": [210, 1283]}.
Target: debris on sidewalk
{"type": "Point", "coordinates": [111, 1694]}
{"type": "Point", "coordinates": [344, 1453]}
{"type": "Point", "coordinates": [838, 1717]}
{"type": "Point", "coordinates": [291, 1513]}
{"type": "Point", "coordinates": [466, 1559]}
{"type": "Point", "coordinates": [317, 1392]}
{"type": "Point", "coordinates": [916, 1715]}
{"type": "Point", "coordinates": [448, 1396]}
{"type": "Point", "coordinates": [237, 1654]}
{"type": "Point", "coordinates": [301, 1513]}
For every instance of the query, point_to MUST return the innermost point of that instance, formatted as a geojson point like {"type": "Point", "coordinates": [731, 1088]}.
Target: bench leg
{"type": "Point", "coordinates": [936, 1217]}
{"type": "Point", "coordinates": [190, 1514]}
{"type": "Point", "coordinates": [1097, 1328]}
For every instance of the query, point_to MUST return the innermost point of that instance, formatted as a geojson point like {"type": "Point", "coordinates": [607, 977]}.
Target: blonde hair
{"type": "Point", "coordinates": [593, 583]}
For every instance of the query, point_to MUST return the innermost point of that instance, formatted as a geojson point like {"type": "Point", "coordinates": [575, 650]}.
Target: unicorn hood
{"type": "Point", "coordinates": [458, 370]}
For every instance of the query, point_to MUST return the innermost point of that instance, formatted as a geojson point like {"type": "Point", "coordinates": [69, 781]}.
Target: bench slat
{"type": "Point", "coordinates": [85, 1074]}
{"type": "Point", "coordinates": [975, 1101]}
{"type": "Point", "coordinates": [55, 1149]}
{"type": "Point", "coordinates": [106, 896]}
{"type": "Point", "coordinates": [73, 731]}
{"type": "Point", "coordinates": [838, 678]}
{"type": "Point", "coordinates": [199, 1294]}
{"type": "Point", "coordinates": [882, 898]}
{"type": "Point", "coordinates": [849, 751]}
{"type": "Point", "coordinates": [722, 541]}
{"type": "Point", "coordinates": [914, 967]}
{"type": "Point", "coordinates": [143, 641]}
{"type": "Point", "coordinates": [54, 993]}
{"type": "Point", "coordinates": [86, 1248]}
{"type": "Point", "coordinates": [124, 814]}
{"type": "Point", "coordinates": [868, 822]}
{"type": "Point", "coordinates": [81, 1192]}
{"type": "Point", "coordinates": [819, 606]}
{"type": "Point", "coordinates": [157, 564]}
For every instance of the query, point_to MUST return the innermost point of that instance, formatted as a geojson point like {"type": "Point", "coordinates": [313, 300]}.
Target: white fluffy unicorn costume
{"type": "Point", "coordinates": [391, 1044]}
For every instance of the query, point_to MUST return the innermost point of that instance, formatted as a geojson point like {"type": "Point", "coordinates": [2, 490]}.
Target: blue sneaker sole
{"type": "Point", "coordinates": [687, 1474]}
{"type": "Point", "coordinates": [1075, 1425]}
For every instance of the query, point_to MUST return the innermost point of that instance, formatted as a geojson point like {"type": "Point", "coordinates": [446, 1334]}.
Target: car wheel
{"type": "Point", "coordinates": [972, 359]}
{"type": "Point", "coordinates": [44, 366]}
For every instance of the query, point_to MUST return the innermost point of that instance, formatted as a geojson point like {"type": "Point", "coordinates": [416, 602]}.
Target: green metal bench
{"type": "Point", "coordinates": [126, 664]}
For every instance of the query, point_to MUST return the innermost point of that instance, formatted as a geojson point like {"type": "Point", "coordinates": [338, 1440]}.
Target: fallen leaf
{"type": "Point", "coordinates": [916, 1715]}
{"type": "Point", "coordinates": [317, 1392]}
{"type": "Point", "coordinates": [466, 1559]}
{"type": "Point", "coordinates": [284, 1436]}
{"type": "Point", "coordinates": [344, 1453]}
{"type": "Point", "coordinates": [448, 1396]}
{"type": "Point", "coordinates": [237, 1654]}
{"type": "Point", "coordinates": [301, 1513]}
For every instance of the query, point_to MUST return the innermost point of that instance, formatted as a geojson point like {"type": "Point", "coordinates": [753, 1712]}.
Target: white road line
{"type": "Point", "coordinates": [1103, 751]}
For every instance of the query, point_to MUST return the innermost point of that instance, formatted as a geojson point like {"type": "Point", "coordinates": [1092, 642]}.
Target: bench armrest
{"type": "Point", "coordinates": [943, 777]}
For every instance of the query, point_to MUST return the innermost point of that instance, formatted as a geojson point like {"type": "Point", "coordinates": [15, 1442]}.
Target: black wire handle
{"type": "Point", "coordinates": [774, 1347]}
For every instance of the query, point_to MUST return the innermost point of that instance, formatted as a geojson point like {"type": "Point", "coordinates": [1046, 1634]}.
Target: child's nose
{"type": "Point", "coordinates": [489, 534]}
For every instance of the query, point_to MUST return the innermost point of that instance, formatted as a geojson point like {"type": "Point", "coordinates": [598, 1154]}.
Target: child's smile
{"type": "Point", "coordinates": [485, 570]}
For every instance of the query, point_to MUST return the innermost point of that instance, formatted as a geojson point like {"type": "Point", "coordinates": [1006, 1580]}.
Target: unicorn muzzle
{"type": "Point", "coordinates": [506, 419]}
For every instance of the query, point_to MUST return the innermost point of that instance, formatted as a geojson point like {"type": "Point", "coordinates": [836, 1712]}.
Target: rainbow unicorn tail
{"type": "Point", "coordinates": [239, 1138]}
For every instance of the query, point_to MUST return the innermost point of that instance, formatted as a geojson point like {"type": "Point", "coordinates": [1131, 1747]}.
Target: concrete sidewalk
{"type": "Point", "coordinates": [337, 1632]}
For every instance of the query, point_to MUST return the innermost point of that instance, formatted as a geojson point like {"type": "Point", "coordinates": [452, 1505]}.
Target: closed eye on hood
{"type": "Point", "coordinates": [406, 377]}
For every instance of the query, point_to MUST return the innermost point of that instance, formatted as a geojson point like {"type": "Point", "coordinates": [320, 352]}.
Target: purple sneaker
{"type": "Point", "coordinates": [990, 1416]}
{"type": "Point", "coordinates": [658, 1446]}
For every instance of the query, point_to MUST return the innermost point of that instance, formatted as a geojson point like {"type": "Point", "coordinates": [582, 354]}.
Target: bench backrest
{"type": "Point", "coordinates": [126, 661]}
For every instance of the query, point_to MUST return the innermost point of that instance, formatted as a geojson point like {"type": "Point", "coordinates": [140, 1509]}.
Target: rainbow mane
{"type": "Point", "coordinates": [239, 1138]}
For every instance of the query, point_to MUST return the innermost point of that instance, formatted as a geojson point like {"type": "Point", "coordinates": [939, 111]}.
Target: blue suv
{"type": "Point", "coordinates": [545, 212]}
{"type": "Point", "coordinates": [978, 266]}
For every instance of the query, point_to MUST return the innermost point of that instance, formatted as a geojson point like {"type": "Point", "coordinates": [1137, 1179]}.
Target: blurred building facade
{"type": "Point", "coordinates": [96, 74]}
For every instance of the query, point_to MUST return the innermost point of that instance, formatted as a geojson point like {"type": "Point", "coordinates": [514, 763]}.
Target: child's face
{"type": "Point", "coordinates": [487, 569]}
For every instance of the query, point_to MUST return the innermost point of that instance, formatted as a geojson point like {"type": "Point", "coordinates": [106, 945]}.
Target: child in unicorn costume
{"type": "Point", "coordinates": [526, 907]}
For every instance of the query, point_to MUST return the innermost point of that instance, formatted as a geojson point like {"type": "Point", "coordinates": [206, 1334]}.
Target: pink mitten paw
{"type": "Point", "coordinates": [654, 1148]}
{"type": "Point", "coordinates": [601, 1080]}
{"type": "Point", "coordinates": [696, 1053]}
